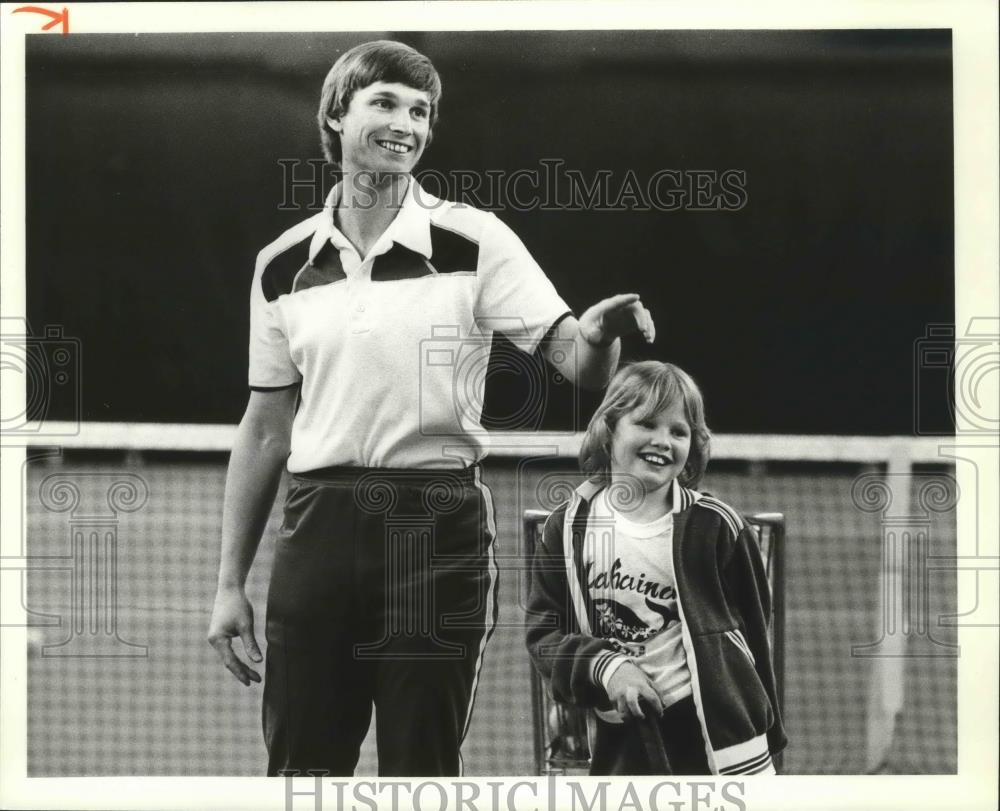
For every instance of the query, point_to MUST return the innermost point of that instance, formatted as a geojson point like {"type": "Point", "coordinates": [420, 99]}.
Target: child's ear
{"type": "Point", "coordinates": [333, 123]}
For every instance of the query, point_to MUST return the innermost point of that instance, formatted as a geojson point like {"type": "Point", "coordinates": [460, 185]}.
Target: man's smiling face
{"type": "Point", "coordinates": [385, 128]}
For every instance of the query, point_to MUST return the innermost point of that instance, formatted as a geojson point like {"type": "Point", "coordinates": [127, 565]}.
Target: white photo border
{"type": "Point", "coordinates": [975, 64]}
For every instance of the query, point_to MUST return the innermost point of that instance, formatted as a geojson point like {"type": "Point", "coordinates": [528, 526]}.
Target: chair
{"type": "Point", "coordinates": [560, 730]}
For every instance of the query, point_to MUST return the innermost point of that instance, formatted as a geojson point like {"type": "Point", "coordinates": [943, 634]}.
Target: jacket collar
{"type": "Point", "coordinates": [681, 498]}
{"type": "Point", "coordinates": [411, 227]}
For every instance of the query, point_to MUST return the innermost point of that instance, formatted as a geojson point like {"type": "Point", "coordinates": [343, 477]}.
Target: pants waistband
{"type": "Point", "coordinates": [396, 475]}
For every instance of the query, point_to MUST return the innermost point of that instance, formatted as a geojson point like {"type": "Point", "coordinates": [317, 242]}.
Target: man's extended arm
{"type": "Point", "coordinates": [595, 337]}
{"type": "Point", "coordinates": [259, 453]}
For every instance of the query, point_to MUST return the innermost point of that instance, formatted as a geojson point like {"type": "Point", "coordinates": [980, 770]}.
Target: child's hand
{"type": "Point", "coordinates": [628, 687]}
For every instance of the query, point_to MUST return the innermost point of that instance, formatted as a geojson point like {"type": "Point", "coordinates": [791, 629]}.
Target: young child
{"type": "Point", "coordinates": [649, 599]}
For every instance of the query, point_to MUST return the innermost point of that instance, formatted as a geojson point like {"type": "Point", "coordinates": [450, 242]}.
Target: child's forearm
{"type": "Point", "coordinates": [567, 663]}
{"type": "Point", "coordinates": [564, 657]}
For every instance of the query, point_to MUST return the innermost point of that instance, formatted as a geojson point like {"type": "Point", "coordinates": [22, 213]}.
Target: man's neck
{"type": "Point", "coordinates": [368, 204]}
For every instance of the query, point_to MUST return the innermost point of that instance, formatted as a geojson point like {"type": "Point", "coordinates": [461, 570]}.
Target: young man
{"type": "Point", "coordinates": [384, 583]}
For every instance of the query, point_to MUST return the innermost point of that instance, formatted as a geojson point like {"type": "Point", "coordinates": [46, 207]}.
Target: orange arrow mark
{"type": "Point", "coordinates": [57, 17]}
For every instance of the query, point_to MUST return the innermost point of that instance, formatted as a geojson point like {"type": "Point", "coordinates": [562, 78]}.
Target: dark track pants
{"type": "Point", "coordinates": [383, 592]}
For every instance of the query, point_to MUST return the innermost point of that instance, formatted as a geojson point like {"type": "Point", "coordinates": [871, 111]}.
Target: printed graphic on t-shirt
{"type": "Point", "coordinates": [638, 608]}
{"type": "Point", "coordinates": [629, 581]}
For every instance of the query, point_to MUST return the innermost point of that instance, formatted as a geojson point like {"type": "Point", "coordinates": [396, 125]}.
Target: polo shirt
{"type": "Point", "coordinates": [391, 349]}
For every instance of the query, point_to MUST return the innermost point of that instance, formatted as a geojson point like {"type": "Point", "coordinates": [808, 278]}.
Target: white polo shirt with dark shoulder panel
{"type": "Point", "coordinates": [391, 349]}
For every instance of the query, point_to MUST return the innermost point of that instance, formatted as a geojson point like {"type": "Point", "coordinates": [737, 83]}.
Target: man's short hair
{"type": "Point", "coordinates": [379, 61]}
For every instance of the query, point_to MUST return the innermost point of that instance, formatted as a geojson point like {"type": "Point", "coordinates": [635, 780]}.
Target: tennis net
{"type": "Point", "coordinates": [128, 518]}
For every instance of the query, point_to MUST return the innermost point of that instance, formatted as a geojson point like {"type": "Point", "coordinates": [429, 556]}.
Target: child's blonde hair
{"type": "Point", "coordinates": [648, 387]}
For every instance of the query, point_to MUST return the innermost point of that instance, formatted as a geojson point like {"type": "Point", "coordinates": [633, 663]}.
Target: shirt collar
{"type": "Point", "coordinates": [411, 227]}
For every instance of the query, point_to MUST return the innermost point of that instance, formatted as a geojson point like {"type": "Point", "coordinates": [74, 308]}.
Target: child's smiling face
{"type": "Point", "coordinates": [652, 450]}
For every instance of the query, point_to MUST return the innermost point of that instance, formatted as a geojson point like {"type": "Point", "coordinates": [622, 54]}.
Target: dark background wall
{"type": "Point", "coordinates": [153, 180]}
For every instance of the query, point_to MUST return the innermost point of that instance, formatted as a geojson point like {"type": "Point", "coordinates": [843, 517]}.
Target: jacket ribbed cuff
{"type": "Point", "coordinates": [604, 666]}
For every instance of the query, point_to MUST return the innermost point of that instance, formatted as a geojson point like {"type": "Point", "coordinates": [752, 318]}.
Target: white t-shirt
{"type": "Point", "coordinates": [629, 578]}
{"type": "Point", "coordinates": [391, 349]}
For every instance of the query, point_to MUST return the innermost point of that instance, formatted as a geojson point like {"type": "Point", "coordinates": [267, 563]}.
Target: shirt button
{"type": "Point", "coordinates": [361, 308]}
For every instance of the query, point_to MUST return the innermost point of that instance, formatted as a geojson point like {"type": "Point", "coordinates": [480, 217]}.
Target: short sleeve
{"type": "Point", "coordinates": [515, 297]}
{"type": "Point", "coordinates": [271, 365]}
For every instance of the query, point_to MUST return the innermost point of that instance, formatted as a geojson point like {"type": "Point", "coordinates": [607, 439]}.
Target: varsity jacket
{"type": "Point", "coordinates": [724, 605]}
